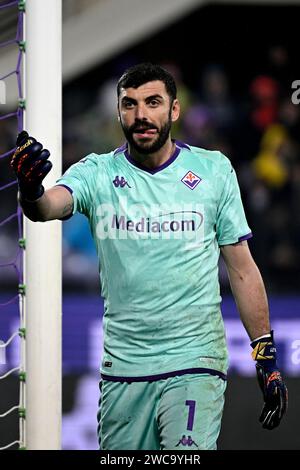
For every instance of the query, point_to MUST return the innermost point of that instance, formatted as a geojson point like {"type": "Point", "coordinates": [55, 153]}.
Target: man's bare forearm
{"type": "Point", "coordinates": [55, 203]}
{"type": "Point", "coordinates": [251, 299]}
{"type": "Point", "coordinates": [248, 288]}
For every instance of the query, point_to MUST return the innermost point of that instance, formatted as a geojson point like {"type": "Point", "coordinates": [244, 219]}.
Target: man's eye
{"type": "Point", "coordinates": [128, 105]}
{"type": "Point", "coordinates": [154, 102]}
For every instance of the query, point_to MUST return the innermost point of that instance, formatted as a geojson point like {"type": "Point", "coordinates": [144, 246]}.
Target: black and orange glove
{"type": "Point", "coordinates": [274, 390]}
{"type": "Point", "coordinates": [30, 164]}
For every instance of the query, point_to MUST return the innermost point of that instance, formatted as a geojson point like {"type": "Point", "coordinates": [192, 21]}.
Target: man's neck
{"type": "Point", "coordinates": [154, 160]}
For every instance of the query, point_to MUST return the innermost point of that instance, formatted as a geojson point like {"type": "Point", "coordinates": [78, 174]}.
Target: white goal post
{"type": "Point", "coordinates": [42, 263]}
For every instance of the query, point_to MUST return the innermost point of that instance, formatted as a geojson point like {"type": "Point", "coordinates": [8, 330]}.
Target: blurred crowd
{"type": "Point", "coordinates": [257, 127]}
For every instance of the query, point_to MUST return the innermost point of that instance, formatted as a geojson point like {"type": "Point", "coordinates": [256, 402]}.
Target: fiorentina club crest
{"type": "Point", "coordinates": [191, 180]}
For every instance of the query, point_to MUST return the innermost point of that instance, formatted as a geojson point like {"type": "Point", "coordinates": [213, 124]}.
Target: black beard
{"type": "Point", "coordinates": [163, 135]}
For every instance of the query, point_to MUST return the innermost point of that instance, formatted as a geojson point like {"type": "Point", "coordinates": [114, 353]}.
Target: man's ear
{"type": "Point", "coordinates": [175, 110]}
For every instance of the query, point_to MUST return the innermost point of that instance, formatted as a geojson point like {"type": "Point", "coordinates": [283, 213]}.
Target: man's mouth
{"type": "Point", "coordinates": [144, 132]}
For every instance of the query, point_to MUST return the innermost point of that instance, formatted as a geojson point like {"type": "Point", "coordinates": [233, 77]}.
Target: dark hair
{"type": "Point", "coordinates": [146, 72]}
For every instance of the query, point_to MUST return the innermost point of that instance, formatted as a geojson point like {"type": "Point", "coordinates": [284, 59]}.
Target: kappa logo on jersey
{"type": "Point", "coordinates": [191, 180]}
{"type": "Point", "coordinates": [120, 182]}
{"type": "Point", "coordinates": [186, 441]}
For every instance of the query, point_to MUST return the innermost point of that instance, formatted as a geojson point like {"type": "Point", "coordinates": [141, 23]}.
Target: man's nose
{"type": "Point", "coordinates": [141, 113]}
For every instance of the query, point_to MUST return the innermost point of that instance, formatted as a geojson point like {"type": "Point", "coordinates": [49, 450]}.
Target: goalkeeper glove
{"type": "Point", "coordinates": [30, 164]}
{"type": "Point", "coordinates": [270, 381]}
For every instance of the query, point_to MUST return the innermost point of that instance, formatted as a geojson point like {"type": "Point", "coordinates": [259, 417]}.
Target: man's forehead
{"type": "Point", "coordinates": [156, 87]}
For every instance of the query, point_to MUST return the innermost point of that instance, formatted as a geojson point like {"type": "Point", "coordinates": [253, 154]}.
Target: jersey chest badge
{"type": "Point", "coordinates": [191, 180]}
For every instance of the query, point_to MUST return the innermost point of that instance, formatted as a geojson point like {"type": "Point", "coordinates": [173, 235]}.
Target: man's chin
{"type": "Point", "coordinates": [143, 150]}
{"type": "Point", "coordinates": [144, 147]}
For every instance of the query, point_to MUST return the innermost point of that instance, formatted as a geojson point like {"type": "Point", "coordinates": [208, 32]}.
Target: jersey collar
{"type": "Point", "coordinates": [179, 146]}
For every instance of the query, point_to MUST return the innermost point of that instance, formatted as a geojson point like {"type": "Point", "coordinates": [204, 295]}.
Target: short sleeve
{"type": "Point", "coordinates": [80, 180]}
{"type": "Point", "coordinates": [231, 226]}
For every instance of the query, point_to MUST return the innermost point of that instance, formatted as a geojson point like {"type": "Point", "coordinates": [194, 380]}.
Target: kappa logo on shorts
{"type": "Point", "coordinates": [191, 180]}
{"type": "Point", "coordinates": [186, 441]}
{"type": "Point", "coordinates": [107, 364]}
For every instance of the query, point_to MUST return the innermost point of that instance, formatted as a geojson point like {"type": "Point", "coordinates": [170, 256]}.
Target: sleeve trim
{"type": "Point", "coordinates": [246, 237]}
{"type": "Point", "coordinates": [65, 186]}
{"type": "Point", "coordinates": [240, 239]}
{"type": "Point", "coordinates": [71, 192]}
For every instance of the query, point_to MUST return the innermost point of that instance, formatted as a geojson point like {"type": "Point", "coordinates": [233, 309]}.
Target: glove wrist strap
{"type": "Point", "coordinates": [264, 352]}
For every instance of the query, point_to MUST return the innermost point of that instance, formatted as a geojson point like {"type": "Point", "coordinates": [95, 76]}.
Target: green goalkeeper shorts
{"type": "Point", "coordinates": [178, 413]}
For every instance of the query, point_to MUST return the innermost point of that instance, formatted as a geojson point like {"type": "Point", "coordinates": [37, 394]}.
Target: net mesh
{"type": "Point", "coordinates": [12, 243]}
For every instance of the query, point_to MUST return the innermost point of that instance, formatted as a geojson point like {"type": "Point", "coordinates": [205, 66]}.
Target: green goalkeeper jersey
{"type": "Point", "coordinates": [157, 234]}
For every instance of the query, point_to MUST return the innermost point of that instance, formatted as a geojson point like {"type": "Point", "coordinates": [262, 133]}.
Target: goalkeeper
{"type": "Point", "coordinates": [160, 213]}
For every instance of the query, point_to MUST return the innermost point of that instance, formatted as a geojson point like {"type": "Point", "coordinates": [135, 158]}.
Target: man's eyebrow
{"type": "Point", "coordinates": [128, 100]}
{"type": "Point", "coordinates": [154, 97]}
